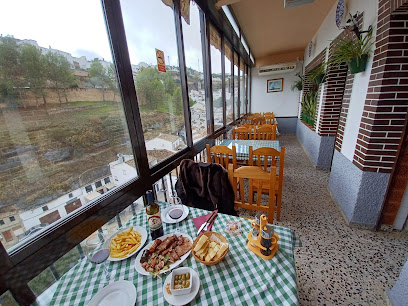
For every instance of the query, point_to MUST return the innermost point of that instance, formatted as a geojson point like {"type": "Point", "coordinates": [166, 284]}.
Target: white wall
{"type": "Point", "coordinates": [283, 103]}
{"type": "Point", "coordinates": [327, 32]}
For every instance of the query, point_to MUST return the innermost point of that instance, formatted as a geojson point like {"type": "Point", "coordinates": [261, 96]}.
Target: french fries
{"type": "Point", "coordinates": [125, 243]}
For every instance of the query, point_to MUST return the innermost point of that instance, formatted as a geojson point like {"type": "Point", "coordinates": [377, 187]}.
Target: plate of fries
{"type": "Point", "coordinates": [126, 242]}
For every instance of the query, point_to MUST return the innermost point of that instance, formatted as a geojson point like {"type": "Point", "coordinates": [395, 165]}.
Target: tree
{"type": "Point", "coordinates": [59, 72]}
{"type": "Point", "coordinates": [150, 88]}
{"type": "Point", "coordinates": [11, 75]}
{"type": "Point", "coordinates": [98, 76]}
{"type": "Point", "coordinates": [111, 80]}
{"type": "Point", "coordinates": [34, 70]}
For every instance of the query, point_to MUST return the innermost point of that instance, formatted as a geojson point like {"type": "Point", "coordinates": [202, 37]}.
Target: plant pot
{"type": "Point", "coordinates": [360, 67]}
{"type": "Point", "coordinates": [320, 78]}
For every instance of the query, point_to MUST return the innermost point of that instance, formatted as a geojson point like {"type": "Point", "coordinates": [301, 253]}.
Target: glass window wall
{"type": "Point", "coordinates": [216, 77]}
{"type": "Point", "coordinates": [156, 72]}
{"type": "Point", "coordinates": [195, 76]}
{"type": "Point", "coordinates": [229, 95]}
{"type": "Point", "coordinates": [236, 84]}
{"type": "Point", "coordinates": [62, 124]}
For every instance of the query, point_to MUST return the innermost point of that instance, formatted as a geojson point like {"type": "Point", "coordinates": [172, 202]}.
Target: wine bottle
{"type": "Point", "coordinates": [153, 216]}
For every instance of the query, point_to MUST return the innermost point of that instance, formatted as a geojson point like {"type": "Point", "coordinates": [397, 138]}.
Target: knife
{"type": "Point", "coordinates": [206, 223]}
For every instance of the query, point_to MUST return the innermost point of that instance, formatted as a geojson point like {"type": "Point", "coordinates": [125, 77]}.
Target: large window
{"type": "Point", "coordinates": [246, 89]}
{"type": "Point", "coordinates": [62, 124]}
{"type": "Point", "coordinates": [195, 76]}
{"type": "Point", "coordinates": [216, 77]}
{"type": "Point", "coordinates": [152, 44]}
{"type": "Point", "coordinates": [242, 88]}
{"type": "Point", "coordinates": [236, 84]}
{"type": "Point", "coordinates": [231, 18]}
{"type": "Point", "coordinates": [229, 82]}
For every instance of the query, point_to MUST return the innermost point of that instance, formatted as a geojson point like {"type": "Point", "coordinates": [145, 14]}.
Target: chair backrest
{"type": "Point", "coordinates": [252, 119]}
{"type": "Point", "coordinates": [258, 178]}
{"type": "Point", "coordinates": [247, 125]}
{"type": "Point", "coordinates": [266, 158]}
{"type": "Point", "coordinates": [242, 133]}
{"type": "Point", "coordinates": [268, 113]}
{"type": "Point", "coordinates": [221, 155]}
{"type": "Point", "coordinates": [265, 132]}
{"type": "Point", "coordinates": [269, 119]}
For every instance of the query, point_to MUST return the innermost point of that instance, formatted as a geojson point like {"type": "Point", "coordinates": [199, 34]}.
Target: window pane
{"type": "Point", "coordinates": [216, 76]}
{"type": "Point", "coordinates": [244, 44]}
{"type": "Point", "coordinates": [195, 77]}
{"type": "Point", "coordinates": [236, 84]}
{"type": "Point", "coordinates": [246, 89]}
{"type": "Point", "coordinates": [228, 82]}
{"type": "Point", "coordinates": [158, 92]}
{"type": "Point", "coordinates": [6, 299]}
{"type": "Point", "coordinates": [62, 124]}
{"type": "Point", "coordinates": [231, 19]}
{"type": "Point", "coordinates": [242, 88]}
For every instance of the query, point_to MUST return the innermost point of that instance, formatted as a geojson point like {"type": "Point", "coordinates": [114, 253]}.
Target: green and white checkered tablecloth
{"type": "Point", "coordinates": [240, 278]}
{"type": "Point", "coordinates": [242, 146]}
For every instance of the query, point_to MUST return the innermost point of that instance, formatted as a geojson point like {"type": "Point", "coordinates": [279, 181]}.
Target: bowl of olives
{"type": "Point", "coordinates": [181, 281]}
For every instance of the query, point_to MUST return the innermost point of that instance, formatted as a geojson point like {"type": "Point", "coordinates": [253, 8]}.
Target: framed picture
{"type": "Point", "coordinates": [274, 85]}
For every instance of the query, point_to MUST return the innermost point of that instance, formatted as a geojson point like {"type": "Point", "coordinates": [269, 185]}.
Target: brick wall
{"type": "Point", "coordinates": [386, 104]}
{"type": "Point", "coordinates": [334, 91]}
{"type": "Point", "coordinates": [344, 110]}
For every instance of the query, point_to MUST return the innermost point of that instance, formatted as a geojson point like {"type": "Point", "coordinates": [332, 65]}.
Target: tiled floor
{"type": "Point", "coordinates": [337, 265]}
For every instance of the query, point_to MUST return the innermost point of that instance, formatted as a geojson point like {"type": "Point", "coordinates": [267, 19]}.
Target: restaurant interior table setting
{"type": "Point", "coordinates": [196, 246]}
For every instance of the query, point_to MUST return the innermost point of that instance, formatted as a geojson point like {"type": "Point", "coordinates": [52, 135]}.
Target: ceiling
{"type": "Point", "coordinates": [271, 29]}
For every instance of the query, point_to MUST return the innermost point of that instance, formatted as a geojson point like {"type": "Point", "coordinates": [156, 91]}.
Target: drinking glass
{"type": "Point", "coordinates": [97, 254]}
{"type": "Point", "coordinates": [176, 210]}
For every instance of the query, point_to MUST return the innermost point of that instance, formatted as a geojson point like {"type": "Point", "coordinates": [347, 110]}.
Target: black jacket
{"type": "Point", "coordinates": [205, 186]}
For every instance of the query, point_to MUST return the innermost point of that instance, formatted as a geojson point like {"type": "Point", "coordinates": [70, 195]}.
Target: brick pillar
{"type": "Point", "coordinates": [386, 103]}
{"type": "Point", "coordinates": [317, 61]}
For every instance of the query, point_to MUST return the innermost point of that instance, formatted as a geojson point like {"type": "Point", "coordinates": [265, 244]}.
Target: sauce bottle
{"type": "Point", "coordinates": [153, 216]}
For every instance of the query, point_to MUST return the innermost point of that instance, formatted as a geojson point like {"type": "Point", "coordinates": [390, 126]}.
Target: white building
{"type": "Point", "coordinates": [164, 142]}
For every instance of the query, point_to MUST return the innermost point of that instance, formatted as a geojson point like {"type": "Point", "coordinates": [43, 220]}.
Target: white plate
{"type": "Point", "coordinates": [185, 298]}
{"type": "Point", "coordinates": [118, 293]}
{"type": "Point", "coordinates": [141, 270]}
{"type": "Point", "coordinates": [142, 231]}
{"type": "Point", "coordinates": [166, 218]}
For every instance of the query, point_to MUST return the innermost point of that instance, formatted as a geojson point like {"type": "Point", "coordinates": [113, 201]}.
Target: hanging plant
{"type": "Point", "coordinates": [354, 52]}
{"type": "Point", "coordinates": [318, 75]}
{"type": "Point", "coordinates": [298, 85]}
{"type": "Point", "coordinates": [309, 107]}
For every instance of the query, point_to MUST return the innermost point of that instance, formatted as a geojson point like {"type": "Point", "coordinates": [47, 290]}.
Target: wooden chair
{"type": "Point", "coordinates": [241, 133]}
{"type": "Point", "coordinates": [247, 125]}
{"type": "Point", "coordinates": [265, 132]}
{"type": "Point", "coordinates": [268, 114]}
{"type": "Point", "coordinates": [253, 173]}
{"type": "Point", "coordinates": [269, 157]}
{"type": "Point", "coordinates": [221, 155]}
{"type": "Point", "coordinates": [252, 120]}
{"type": "Point", "coordinates": [269, 119]}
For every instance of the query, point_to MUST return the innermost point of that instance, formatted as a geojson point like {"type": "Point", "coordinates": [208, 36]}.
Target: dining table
{"type": "Point", "coordinates": [240, 278]}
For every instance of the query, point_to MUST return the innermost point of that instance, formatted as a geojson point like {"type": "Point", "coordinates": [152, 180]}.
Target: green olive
{"type": "Point", "coordinates": [188, 275]}
{"type": "Point", "coordinates": [184, 276]}
{"type": "Point", "coordinates": [184, 284]}
{"type": "Point", "coordinates": [187, 284]}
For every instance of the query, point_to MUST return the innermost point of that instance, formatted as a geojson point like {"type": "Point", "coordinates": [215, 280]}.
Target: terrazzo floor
{"type": "Point", "coordinates": [337, 265]}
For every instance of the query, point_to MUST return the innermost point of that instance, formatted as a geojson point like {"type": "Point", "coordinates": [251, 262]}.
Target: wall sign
{"type": "Point", "coordinates": [274, 85]}
{"type": "Point", "coordinates": [161, 64]}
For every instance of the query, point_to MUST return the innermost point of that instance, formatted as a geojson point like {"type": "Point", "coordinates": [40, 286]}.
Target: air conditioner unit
{"type": "Point", "coordinates": [277, 69]}
{"type": "Point", "coordinates": [293, 3]}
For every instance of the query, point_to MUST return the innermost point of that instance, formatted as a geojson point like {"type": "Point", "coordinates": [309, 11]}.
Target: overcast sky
{"type": "Point", "coordinates": [78, 27]}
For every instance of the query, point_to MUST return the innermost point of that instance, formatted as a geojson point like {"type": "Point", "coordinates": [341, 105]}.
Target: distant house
{"type": "Point", "coordinates": [164, 142]}
{"type": "Point", "coordinates": [11, 228]}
